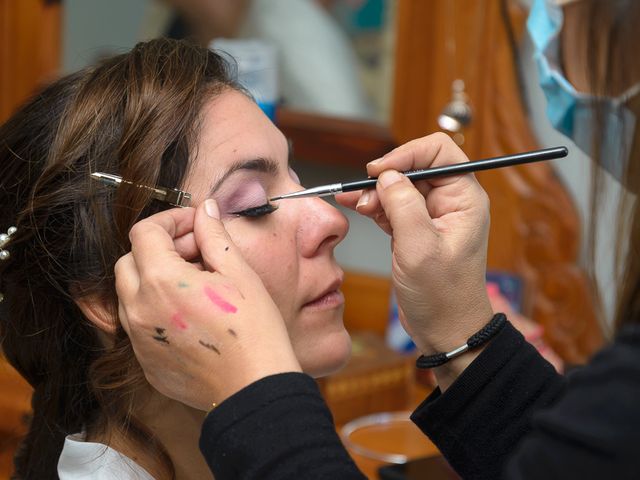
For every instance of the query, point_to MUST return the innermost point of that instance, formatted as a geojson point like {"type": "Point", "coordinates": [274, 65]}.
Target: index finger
{"type": "Point", "coordinates": [435, 150]}
{"type": "Point", "coordinates": [152, 239]}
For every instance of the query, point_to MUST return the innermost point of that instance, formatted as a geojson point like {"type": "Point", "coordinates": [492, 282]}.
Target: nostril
{"type": "Point", "coordinates": [331, 241]}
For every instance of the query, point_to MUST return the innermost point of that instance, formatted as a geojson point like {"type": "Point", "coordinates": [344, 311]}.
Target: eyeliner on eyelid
{"type": "Point", "coordinates": [255, 212]}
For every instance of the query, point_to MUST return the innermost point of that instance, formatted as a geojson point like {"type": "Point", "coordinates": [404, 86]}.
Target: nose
{"type": "Point", "coordinates": [321, 226]}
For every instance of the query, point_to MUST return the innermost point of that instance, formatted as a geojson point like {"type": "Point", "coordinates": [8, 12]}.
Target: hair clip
{"type": "Point", "coordinates": [4, 254]}
{"type": "Point", "coordinates": [4, 238]}
{"type": "Point", "coordinates": [171, 196]}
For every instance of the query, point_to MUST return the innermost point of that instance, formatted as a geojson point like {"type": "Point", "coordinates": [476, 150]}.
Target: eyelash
{"type": "Point", "coordinates": [256, 212]}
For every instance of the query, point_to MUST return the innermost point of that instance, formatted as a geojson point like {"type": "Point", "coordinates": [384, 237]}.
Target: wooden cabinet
{"type": "Point", "coordinates": [30, 41]}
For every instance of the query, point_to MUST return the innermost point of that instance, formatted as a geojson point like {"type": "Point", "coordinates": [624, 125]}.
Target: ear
{"type": "Point", "coordinates": [97, 314]}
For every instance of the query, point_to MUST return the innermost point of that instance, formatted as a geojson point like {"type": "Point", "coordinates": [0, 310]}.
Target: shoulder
{"type": "Point", "coordinates": [80, 459]}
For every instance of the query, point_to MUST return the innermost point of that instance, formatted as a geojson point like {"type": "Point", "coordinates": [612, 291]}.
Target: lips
{"type": "Point", "coordinates": [329, 296]}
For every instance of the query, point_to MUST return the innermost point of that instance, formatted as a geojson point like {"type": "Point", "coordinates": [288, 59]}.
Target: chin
{"type": "Point", "coordinates": [328, 356]}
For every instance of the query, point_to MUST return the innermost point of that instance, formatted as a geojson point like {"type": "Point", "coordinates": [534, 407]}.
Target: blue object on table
{"type": "Point", "coordinates": [396, 336]}
{"type": "Point", "coordinates": [511, 287]}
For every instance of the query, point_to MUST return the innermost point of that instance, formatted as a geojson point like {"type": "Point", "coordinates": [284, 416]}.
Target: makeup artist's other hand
{"type": "Point", "coordinates": [439, 232]}
{"type": "Point", "coordinates": [201, 331]}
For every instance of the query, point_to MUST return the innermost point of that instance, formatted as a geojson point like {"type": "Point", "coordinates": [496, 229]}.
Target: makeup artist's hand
{"type": "Point", "coordinates": [439, 231]}
{"type": "Point", "coordinates": [201, 331]}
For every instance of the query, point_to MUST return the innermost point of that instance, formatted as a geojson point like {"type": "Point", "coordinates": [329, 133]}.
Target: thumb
{"type": "Point", "coordinates": [404, 206]}
{"type": "Point", "coordinates": [217, 250]}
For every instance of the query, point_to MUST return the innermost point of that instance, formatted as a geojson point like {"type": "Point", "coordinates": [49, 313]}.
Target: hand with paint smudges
{"type": "Point", "coordinates": [201, 331]}
{"type": "Point", "coordinates": [439, 230]}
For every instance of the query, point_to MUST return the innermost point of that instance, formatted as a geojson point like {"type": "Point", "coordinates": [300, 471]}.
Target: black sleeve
{"type": "Point", "coordinates": [276, 428]}
{"type": "Point", "coordinates": [480, 419]}
{"type": "Point", "coordinates": [509, 415]}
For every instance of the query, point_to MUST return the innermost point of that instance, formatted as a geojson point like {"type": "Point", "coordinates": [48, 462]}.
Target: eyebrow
{"type": "Point", "coordinates": [260, 164]}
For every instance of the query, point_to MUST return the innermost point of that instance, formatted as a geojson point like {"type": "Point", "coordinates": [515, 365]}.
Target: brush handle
{"type": "Point", "coordinates": [467, 167]}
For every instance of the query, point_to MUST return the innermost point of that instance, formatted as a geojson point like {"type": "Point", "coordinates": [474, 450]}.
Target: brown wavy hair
{"type": "Point", "coordinates": [135, 115]}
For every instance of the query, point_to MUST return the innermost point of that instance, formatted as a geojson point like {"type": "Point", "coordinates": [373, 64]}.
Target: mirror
{"type": "Point", "coordinates": [333, 57]}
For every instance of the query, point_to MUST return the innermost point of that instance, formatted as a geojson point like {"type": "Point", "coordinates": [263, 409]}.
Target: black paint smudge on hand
{"type": "Point", "coordinates": [209, 346]}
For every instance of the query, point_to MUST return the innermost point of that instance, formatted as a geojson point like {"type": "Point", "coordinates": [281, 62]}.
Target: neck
{"type": "Point", "coordinates": [177, 427]}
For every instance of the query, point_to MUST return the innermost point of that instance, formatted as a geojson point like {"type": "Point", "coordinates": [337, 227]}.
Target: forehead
{"type": "Point", "coordinates": [232, 129]}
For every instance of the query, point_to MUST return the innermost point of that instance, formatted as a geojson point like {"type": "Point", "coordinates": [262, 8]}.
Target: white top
{"type": "Point", "coordinates": [88, 460]}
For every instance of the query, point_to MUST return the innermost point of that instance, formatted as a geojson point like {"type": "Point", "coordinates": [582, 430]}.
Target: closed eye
{"type": "Point", "coordinates": [256, 212]}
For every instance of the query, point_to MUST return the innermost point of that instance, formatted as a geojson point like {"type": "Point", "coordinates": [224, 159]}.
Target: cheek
{"type": "Point", "coordinates": [272, 254]}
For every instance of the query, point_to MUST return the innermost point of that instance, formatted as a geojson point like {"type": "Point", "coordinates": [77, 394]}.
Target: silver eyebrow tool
{"type": "Point", "coordinates": [446, 170]}
{"type": "Point", "coordinates": [171, 196]}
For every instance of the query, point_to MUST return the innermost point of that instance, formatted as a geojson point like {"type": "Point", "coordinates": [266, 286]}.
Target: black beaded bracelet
{"type": "Point", "coordinates": [487, 332]}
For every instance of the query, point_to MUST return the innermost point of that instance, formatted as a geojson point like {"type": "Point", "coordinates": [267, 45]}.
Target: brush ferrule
{"type": "Point", "coordinates": [323, 191]}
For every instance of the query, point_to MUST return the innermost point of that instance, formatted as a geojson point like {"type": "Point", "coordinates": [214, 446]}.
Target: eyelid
{"type": "Point", "coordinates": [248, 194]}
{"type": "Point", "coordinates": [256, 165]}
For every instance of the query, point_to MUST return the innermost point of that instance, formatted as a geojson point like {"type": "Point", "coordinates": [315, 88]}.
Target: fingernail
{"type": "Point", "coordinates": [363, 200]}
{"type": "Point", "coordinates": [211, 207]}
{"type": "Point", "coordinates": [374, 162]}
{"type": "Point", "coordinates": [389, 178]}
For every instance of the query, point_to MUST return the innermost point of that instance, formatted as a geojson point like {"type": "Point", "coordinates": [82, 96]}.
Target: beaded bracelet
{"type": "Point", "coordinates": [487, 332]}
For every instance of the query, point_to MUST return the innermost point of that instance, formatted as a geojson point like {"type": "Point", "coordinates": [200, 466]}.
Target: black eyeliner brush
{"type": "Point", "coordinates": [447, 170]}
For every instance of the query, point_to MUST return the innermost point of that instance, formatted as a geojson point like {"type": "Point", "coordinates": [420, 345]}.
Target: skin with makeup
{"type": "Point", "coordinates": [244, 159]}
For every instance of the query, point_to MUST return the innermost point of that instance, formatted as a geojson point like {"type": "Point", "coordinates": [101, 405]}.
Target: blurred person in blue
{"type": "Point", "coordinates": [500, 410]}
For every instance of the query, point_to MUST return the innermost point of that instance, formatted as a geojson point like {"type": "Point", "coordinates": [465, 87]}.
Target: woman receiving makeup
{"type": "Point", "coordinates": [166, 114]}
{"type": "Point", "coordinates": [501, 410]}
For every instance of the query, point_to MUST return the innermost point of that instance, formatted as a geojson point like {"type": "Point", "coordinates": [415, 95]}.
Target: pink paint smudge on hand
{"type": "Point", "coordinates": [219, 302]}
{"type": "Point", "coordinates": [178, 321]}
